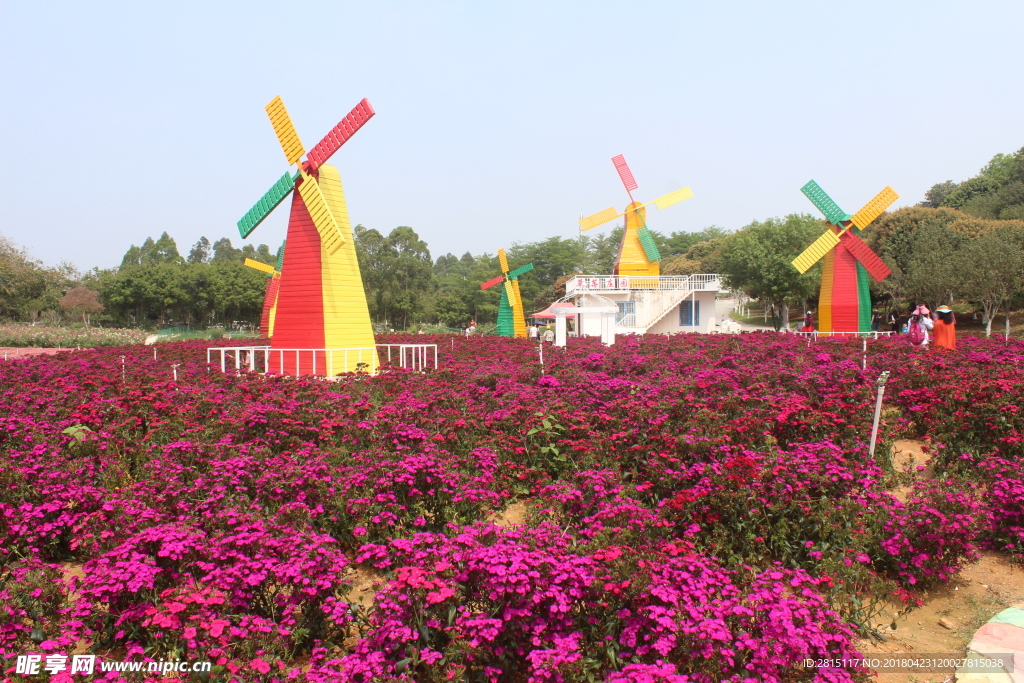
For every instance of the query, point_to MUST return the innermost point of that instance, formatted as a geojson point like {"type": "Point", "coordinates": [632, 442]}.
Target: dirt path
{"type": "Point", "coordinates": [946, 622]}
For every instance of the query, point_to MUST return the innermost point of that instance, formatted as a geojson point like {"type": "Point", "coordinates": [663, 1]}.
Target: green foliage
{"type": "Point", "coordinates": [758, 259]}
{"type": "Point", "coordinates": [997, 192]}
{"type": "Point", "coordinates": [934, 197]}
{"type": "Point", "coordinates": [397, 274]}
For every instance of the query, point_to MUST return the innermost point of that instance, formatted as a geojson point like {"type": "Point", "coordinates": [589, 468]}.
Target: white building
{"type": "Point", "coordinates": [658, 304]}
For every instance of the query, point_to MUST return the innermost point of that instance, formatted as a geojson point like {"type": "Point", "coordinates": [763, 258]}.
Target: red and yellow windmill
{"type": "Point", "coordinates": [844, 304]}
{"type": "Point", "coordinates": [321, 304]}
{"type": "Point", "coordinates": [638, 254]}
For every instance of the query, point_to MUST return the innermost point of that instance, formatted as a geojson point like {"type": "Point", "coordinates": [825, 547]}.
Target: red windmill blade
{"type": "Point", "coordinates": [625, 175]}
{"type": "Point", "coordinates": [339, 135]}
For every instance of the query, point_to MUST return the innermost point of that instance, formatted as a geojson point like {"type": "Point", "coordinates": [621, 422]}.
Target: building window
{"type": "Point", "coordinates": [689, 313]}
{"type": "Point", "coordinates": [626, 317]}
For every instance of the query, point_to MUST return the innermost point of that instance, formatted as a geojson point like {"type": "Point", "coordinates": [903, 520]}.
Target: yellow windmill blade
{"type": "Point", "coordinates": [813, 253]}
{"type": "Point", "coordinates": [874, 208]}
{"type": "Point", "coordinates": [258, 265]}
{"type": "Point", "coordinates": [330, 234]}
{"type": "Point", "coordinates": [503, 260]}
{"type": "Point", "coordinates": [329, 180]}
{"type": "Point", "coordinates": [285, 131]}
{"type": "Point", "coordinates": [599, 218]}
{"type": "Point", "coordinates": [671, 198]}
{"type": "Point", "coordinates": [511, 294]}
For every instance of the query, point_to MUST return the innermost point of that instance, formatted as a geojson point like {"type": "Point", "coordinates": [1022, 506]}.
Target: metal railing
{"type": "Point", "coordinates": [411, 356]}
{"type": "Point", "coordinates": [321, 362]}
{"type": "Point", "coordinates": [621, 283]}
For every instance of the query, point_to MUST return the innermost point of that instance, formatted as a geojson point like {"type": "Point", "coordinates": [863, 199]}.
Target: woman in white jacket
{"type": "Point", "coordinates": [925, 323]}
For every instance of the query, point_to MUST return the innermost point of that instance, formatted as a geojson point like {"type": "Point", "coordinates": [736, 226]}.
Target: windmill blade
{"type": "Point", "coordinates": [832, 212]}
{"type": "Point", "coordinates": [875, 208]}
{"type": "Point", "coordinates": [514, 275]}
{"type": "Point", "coordinates": [503, 260]}
{"type": "Point", "coordinates": [259, 265]}
{"type": "Point", "coordinates": [862, 252]}
{"type": "Point", "coordinates": [813, 253]}
{"type": "Point", "coordinates": [625, 175]}
{"type": "Point", "coordinates": [649, 245]}
{"type": "Point", "coordinates": [313, 198]}
{"type": "Point", "coordinates": [599, 218]}
{"type": "Point", "coordinates": [280, 257]}
{"type": "Point", "coordinates": [491, 283]}
{"type": "Point", "coordinates": [284, 130]}
{"type": "Point", "coordinates": [671, 198]}
{"type": "Point", "coordinates": [511, 294]}
{"type": "Point", "coordinates": [267, 203]}
{"type": "Point", "coordinates": [329, 181]}
{"type": "Point", "coordinates": [340, 134]}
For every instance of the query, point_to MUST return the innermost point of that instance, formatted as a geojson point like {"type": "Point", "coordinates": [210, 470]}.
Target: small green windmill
{"type": "Point", "coordinates": [511, 318]}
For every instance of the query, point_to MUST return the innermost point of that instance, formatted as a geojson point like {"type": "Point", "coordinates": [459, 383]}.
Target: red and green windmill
{"type": "Point", "coordinates": [511, 316]}
{"type": "Point", "coordinates": [845, 301]}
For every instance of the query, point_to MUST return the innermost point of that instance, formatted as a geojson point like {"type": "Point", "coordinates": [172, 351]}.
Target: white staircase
{"type": "Point", "coordinates": [651, 307]}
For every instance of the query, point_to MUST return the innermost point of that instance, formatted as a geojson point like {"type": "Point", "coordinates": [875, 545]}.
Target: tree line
{"type": "Point", "coordinates": [964, 242]}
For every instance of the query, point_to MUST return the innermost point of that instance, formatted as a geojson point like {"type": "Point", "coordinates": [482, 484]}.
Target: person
{"type": "Point", "coordinates": [918, 326]}
{"type": "Point", "coordinates": [549, 335]}
{"type": "Point", "coordinates": [876, 320]}
{"type": "Point", "coordinates": [808, 323]}
{"type": "Point", "coordinates": [420, 330]}
{"type": "Point", "coordinates": [945, 328]}
{"type": "Point", "coordinates": [533, 331]}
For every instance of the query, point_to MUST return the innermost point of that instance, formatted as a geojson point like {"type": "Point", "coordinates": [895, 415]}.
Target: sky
{"type": "Point", "coordinates": [495, 121]}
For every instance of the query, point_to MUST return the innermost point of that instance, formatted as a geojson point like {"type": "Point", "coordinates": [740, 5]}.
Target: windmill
{"type": "Point", "coordinates": [270, 295]}
{"type": "Point", "coordinates": [845, 301]}
{"type": "Point", "coordinates": [320, 301]}
{"type": "Point", "coordinates": [638, 254]}
{"type": "Point", "coordinates": [511, 318]}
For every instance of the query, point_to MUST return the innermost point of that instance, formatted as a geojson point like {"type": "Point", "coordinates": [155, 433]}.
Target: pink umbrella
{"type": "Point", "coordinates": [550, 313]}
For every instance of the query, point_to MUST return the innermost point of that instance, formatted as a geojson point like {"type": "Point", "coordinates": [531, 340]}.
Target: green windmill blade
{"type": "Point", "coordinates": [280, 257]}
{"type": "Point", "coordinates": [647, 242]}
{"type": "Point", "coordinates": [514, 275]}
{"type": "Point", "coordinates": [832, 212]}
{"type": "Point", "coordinates": [267, 203]}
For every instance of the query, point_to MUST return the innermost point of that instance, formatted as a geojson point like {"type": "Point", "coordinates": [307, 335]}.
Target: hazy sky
{"type": "Point", "coordinates": [495, 121]}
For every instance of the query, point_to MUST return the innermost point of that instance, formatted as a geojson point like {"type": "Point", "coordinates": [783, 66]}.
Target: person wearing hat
{"type": "Point", "coordinates": [808, 323]}
{"type": "Point", "coordinates": [921, 320]}
{"type": "Point", "coordinates": [945, 328]}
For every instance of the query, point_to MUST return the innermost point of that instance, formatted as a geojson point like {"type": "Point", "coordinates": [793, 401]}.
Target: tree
{"type": "Point", "coordinates": [22, 279]}
{"type": "Point", "coordinates": [991, 268]}
{"type": "Point", "coordinates": [164, 250]}
{"type": "Point", "coordinates": [200, 251]}
{"type": "Point", "coordinates": [934, 197]}
{"type": "Point", "coordinates": [758, 259]}
{"type": "Point", "coordinates": [223, 251]}
{"type": "Point", "coordinates": [932, 271]}
{"type": "Point", "coordinates": [82, 300]}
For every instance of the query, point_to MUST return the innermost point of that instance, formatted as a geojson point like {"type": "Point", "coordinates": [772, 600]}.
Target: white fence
{"type": "Point", "coordinates": [816, 334]}
{"type": "Point", "coordinates": [321, 362]}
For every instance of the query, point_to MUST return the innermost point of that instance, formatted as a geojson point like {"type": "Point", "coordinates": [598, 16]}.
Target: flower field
{"type": "Point", "coordinates": [697, 508]}
{"type": "Point", "coordinates": [47, 336]}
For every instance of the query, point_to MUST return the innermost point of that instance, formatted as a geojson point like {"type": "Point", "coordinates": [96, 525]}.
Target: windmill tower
{"type": "Point", "coordinates": [638, 254]}
{"type": "Point", "coordinates": [511, 316]}
{"type": "Point", "coordinates": [321, 304]}
{"type": "Point", "coordinates": [844, 304]}
{"type": "Point", "coordinates": [269, 314]}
